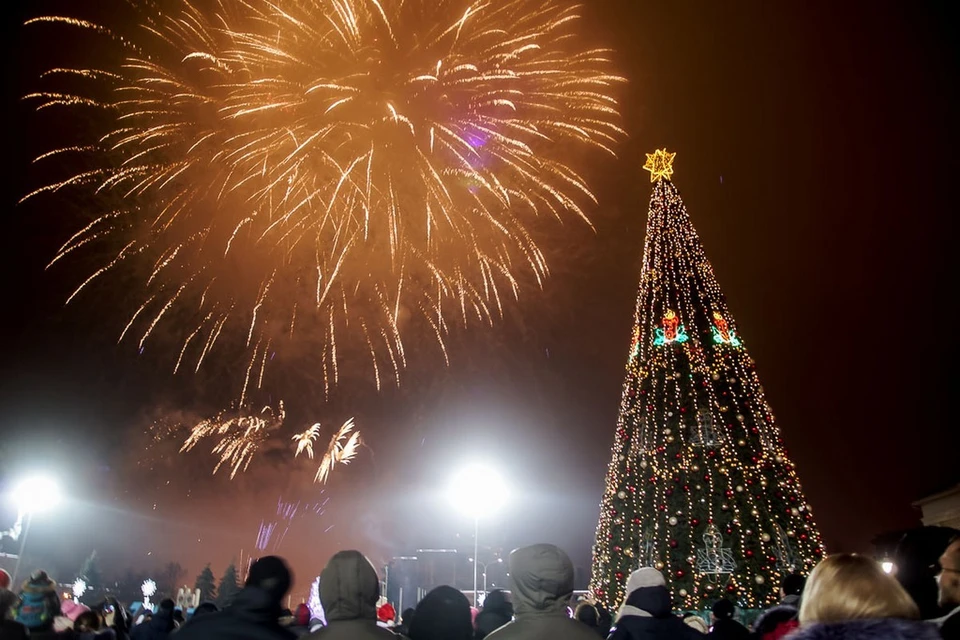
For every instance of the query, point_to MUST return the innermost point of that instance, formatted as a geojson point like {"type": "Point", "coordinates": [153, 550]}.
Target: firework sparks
{"type": "Point", "coordinates": [306, 439]}
{"type": "Point", "coordinates": [342, 448]}
{"type": "Point", "coordinates": [240, 437]}
{"type": "Point", "coordinates": [348, 164]}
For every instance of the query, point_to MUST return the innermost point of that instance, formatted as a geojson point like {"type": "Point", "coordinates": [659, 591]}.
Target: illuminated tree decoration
{"type": "Point", "coordinates": [700, 485]}
{"type": "Point", "coordinates": [722, 333]}
{"type": "Point", "coordinates": [672, 330]}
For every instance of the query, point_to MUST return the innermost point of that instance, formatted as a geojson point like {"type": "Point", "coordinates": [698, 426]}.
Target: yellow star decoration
{"type": "Point", "coordinates": [660, 164]}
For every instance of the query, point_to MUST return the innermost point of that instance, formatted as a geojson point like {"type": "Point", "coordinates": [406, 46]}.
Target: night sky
{"type": "Point", "coordinates": [815, 152]}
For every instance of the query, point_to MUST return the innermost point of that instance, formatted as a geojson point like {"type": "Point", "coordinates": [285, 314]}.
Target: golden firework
{"type": "Point", "coordinates": [240, 437]}
{"type": "Point", "coordinates": [335, 167]}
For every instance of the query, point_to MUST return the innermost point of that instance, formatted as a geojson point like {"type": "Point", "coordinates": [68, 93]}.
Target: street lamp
{"type": "Point", "coordinates": [484, 565]}
{"type": "Point", "coordinates": [33, 495]}
{"type": "Point", "coordinates": [465, 497]}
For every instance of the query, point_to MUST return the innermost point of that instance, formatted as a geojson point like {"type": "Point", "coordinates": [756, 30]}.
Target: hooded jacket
{"type": "Point", "coordinates": [776, 623]}
{"type": "Point", "coordinates": [879, 629]}
{"type": "Point", "coordinates": [497, 611]}
{"type": "Point", "coordinates": [349, 589]}
{"type": "Point", "coordinates": [254, 614]}
{"type": "Point", "coordinates": [541, 578]}
{"type": "Point", "coordinates": [647, 615]}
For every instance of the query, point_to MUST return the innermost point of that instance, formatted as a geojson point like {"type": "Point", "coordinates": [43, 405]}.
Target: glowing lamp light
{"type": "Point", "coordinates": [36, 494]}
{"type": "Point", "coordinates": [887, 566]}
{"type": "Point", "coordinates": [465, 494]}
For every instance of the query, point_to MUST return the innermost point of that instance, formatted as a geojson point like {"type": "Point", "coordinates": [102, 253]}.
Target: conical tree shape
{"type": "Point", "coordinates": [699, 485]}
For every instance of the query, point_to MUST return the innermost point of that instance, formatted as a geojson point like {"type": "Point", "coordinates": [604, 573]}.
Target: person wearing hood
{"type": "Point", "coordinates": [254, 613]}
{"type": "Point", "coordinates": [443, 614]}
{"type": "Point", "coordinates": [497, 611]}
{"type": "Point", "coordinates": [406, 618]}
{"type": "Point", "coordinates": [541, 580]}
{"type": "Point", "coordinates": [849, 597]}
{"type": "Point", "coordinates": [349, 590]}
{"type": "Point", "coordinates": [39, 609]}
{"type": "Point", "coordinates": [646, 613]}
{"type": "Point", "coordinates": [159, 626]}
{"type": "Point", "coordinates": [777, 622]}
{"type": "Point", "coordinates": [89, 625]}
{"type": "Point", "coordinates": [724, 626]}
{"type": "Point", "coordinates": [587, 613]}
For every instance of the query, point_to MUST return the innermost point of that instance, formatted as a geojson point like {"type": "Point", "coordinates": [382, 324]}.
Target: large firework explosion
{"type": "Point", "coordinates": [342, 168]}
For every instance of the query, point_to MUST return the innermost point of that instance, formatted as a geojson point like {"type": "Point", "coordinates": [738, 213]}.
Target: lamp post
{"type": "Point", "coordinates": [484, 565]}
{"type": "Point", "coordinates": [33, 495]}
{"type": "Point", "coordinates": [464, 497]}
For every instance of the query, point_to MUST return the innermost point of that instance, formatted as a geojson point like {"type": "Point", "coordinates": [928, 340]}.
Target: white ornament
{"type": "Point", "coordinates": [759, 579]}
{"type": "Point", "coordinates": [778, 458]}
{"type": "Point", "coordinates": [621, 494]}
{"type": "Point", "coordinates": [715, 376]}
{"type": "Point", "coordinates": [795, 511]}
{"type": "Point", "coordinates": [672, 521]}
{"type": "Point", "coordinates": [643, 464]}
{"type": "Point", "coordinates": [683, 593]}
{"type": "Point", "coordinates": [667, 432]}
{"type": "Point", "coordinates": [740, 417]}
{"type": "Point", "coordinates": [669, 414]}
{"type": "Point", "coordinates": [765, 537]}
{"type": "Point", "coordinates": [739, 488]}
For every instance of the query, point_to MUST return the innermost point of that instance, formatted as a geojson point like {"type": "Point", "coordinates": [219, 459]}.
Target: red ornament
{"type": "Point", "coordinates": [619, 575]}
{"type": "Point", "coordinates": [731, 588]}
{"type": "Point", "coordinates": [748, 553]}
{"type": "Point", "coordinates": [668, 492]}
{"type": "Point", "coordinates": [673, 544]}
{"type": "Point", "coordinates": [679, 573]}
{"type": "Point", "coordinates": [694, 522]}
{"type": "Point", "coordinates": [617, 548]}
{"type": "Point", "coordinates": [683, 409]}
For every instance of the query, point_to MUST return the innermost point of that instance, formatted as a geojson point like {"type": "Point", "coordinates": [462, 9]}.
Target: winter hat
{"type": "Point", "coordinates": [5, 580]}
{"type": "Point", "coordinates": [443, 614]}
{"type": "Point", "coordinates": [271, 574]}
{"type": "Point", "coordinates": [697, 623]}
{"type": "Point", "coordinates": [386, 613]}
{"type": "Point", "coordinates": [723, 609]}
{"type": "Point", "coordinates": [645, 577]}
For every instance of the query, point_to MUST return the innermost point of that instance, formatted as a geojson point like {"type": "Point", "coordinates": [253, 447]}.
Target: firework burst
{"type": "Point", "coordinates": [240, 437]}
{"type": "Point", "coordinates": [343, 447]}
{"type": "Point", "coordinates": [348, 166]}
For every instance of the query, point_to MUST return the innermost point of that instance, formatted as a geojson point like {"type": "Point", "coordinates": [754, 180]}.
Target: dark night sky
{"type": "Point", "coordinates": [816, 151]}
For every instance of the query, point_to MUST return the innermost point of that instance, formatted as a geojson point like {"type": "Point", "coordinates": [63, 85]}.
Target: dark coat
{"type": "Point", "coordinates": [497, 611]}
{"type": "Point", "coordinates": [349, 589]}
{"type": "Point", "coordinates": [158, 627]}
{"type": "Point", "coordinates": [541, 578]}
{"type": "Point", "coordinates": [727, 629]}
{"type": "Point", "coordinates": [880, 629]}
{"type": "Point", "coordinates": [253, 615]}
{"type": "Point", "coordinates": [775, 623]}
{"type": "Point", "coordinates": [647, 616]}
{"type": "Point", "coordinates": [12, 630]}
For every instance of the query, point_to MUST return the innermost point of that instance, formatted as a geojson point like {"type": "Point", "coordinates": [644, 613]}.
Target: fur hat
{"type": "Point", "coordinates": [645, 577]}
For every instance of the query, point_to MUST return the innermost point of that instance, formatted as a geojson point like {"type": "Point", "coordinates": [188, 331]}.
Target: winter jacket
{"type": "Point", "coordinates": [647, 616]}
{"type": "Point", "coordinates": [950, 625]}
{"type": "Point", "coordinates": [727, 629]}
{"type": "Point", "coordinates": [541, 578]}
{"type": "Point", "coordinates": [497, 611]}
{"type": "Point", "coordinates": [253, 615]}
{"type": "Point", "coordinates": [879, 629]}
{"type": "Point", "coordinates": [349, 589]}
{"type": "Point", "coordinates": [158, 627]}
{"type": "Point", "coordinates": [39, 603]}
{"type": "Point", "coordinates": [776, 623]}
{"type": "Point", "coordinates": [11, 630]}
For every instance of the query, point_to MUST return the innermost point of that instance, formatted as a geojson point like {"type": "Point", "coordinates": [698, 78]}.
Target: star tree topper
{"type": "Point", "coordinates": [660, 164]}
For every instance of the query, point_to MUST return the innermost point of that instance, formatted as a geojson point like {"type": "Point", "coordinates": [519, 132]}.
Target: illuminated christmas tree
{"type": "Point", "coordinates": [699, 484]}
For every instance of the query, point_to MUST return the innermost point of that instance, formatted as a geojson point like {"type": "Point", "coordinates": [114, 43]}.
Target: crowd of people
{"type": "Point", "coordinates": [846, 597]}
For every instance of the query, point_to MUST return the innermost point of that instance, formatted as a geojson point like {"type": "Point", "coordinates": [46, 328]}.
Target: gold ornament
{"type": "Point", "coordinates": [659, 164]}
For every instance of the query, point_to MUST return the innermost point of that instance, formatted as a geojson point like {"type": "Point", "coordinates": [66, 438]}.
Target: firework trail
{"type": "Point", "coordinates": [340, 168]}
{"type": "Point", "coordinates": [306, 439]}
{"type": "Point", "coordinates": [240, 437]}
{"type": "Point", "coordinates": [287, 512]}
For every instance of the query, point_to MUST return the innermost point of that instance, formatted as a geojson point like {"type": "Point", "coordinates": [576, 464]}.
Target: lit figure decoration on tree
{"type": "Point", "coordinates": [672, 330]}
{"type": "Point", "coordinates": [148, 589]}
{"type": "Point", "coordinates": [79, 588]}
{"type": "Point", "coordinates": [714, 557]}
{"type": "Point", "coordinates": [699, 485]}
{"type": "Point", "coordinates": [722, 333]}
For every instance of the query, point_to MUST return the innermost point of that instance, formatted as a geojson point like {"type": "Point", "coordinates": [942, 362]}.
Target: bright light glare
{"type": "Point", "coordinates": [477, 491]}
{"type": "Point", "coordinates": [36, 494]}
{"type": "Point", "coordinates": [887, 566]}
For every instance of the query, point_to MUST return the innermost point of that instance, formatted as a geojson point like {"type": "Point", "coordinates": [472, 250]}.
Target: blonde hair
{"type": "Point", "coordinates": [850, 587]}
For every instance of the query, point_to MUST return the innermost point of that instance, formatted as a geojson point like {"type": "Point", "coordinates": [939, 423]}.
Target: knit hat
{"type": "Point", "coordinates": [271, 574]}
{"type": "Point", "coordinates": [386, 613]}
{"type": "Point", "coordinates": [645, 577]}
{"type": "Point", "coordinates": [5, 580]}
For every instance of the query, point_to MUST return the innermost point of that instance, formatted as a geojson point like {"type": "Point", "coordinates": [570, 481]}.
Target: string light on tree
{"type": "Point", "coordinates": [700, 484]}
